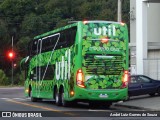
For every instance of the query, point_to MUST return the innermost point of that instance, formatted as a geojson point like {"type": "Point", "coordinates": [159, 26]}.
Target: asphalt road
{"type": "Point", "coordinates": [14, 104]}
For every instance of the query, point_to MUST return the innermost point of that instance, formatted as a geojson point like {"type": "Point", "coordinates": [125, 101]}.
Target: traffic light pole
{"type": "Point", "coordinates": [12, 63]}
{"type": "Point", "coordinates": [12, 73]}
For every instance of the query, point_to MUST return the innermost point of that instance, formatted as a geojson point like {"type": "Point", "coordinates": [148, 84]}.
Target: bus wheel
{"type": "Point", "coordinates": [57, 98]}
{"type": "Point", "coordinates": [33, 99]}
{"type": "Point", "coordinates": [64, 102]}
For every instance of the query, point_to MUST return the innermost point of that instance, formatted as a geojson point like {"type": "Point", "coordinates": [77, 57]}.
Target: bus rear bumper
{"type": "Point", "coordinates": [100, 95]}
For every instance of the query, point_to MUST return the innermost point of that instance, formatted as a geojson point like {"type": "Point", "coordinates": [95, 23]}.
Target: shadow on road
{"type": "Point", "coordinates": [78, 105]}
{"type": "Point", "coordinates": [141, 97]}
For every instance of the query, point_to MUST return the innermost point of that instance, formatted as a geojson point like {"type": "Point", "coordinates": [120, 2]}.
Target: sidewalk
{"type": "Point", "coordinates": [144, 102]}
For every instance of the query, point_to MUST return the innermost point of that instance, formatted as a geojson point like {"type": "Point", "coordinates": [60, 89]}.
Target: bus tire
{"type": "Point", "coordinates": [57, 98]}
{"type": "Point", "coordinates": [33, 99]}
{"type": "Point", "coordinates": [64, 102]}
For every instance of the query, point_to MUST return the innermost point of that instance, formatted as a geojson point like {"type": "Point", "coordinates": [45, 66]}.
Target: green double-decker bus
{"type": "Point", "coordinates": [83, 61]}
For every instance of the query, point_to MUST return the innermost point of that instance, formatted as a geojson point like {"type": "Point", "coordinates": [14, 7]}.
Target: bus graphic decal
{"type": "Point", "coordinates": [63, 67]}
{"type": "Point", "coordinates": [110, 31]}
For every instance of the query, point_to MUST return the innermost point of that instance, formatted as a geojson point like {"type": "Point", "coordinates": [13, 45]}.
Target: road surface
{"type": "Point", "coordinates": [13, 104]}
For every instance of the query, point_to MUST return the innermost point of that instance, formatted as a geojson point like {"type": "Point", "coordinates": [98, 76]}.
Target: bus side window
{"type": "Point", "coordinates": [71, 36]}
{"type": "Point", "coordinates": [49, 43]}
{"type": "Point", "coordinates": [61, 42]}
{"type": "Point", "coordinates": [53, 41]}
{"type": "Point", "coordinates": [31, 75]}
{"type": "Point", "coordinates": [67, 38]}
{"type": "Point", "coordinates": [49, 74]}
{"type": "Point", "coordinates": [34, 47]}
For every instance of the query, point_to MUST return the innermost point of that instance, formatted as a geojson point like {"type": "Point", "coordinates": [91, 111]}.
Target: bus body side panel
{"type": "Point", "coordinates": [62, 66]}
{"type": "Point", "coordinates": [62, 74]}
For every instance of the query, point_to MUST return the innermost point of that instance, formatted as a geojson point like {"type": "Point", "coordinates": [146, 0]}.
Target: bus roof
{"type": "Point", "coordinates": [75, 23]}
{"type": "Point", "coordinates": [56, 30]}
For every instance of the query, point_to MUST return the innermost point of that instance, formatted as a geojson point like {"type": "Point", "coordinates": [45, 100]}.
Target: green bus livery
{"type": "Point", "coordinates": [83, 61]}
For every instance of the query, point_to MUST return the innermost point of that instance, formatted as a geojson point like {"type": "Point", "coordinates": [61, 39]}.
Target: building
{"type": "Point", "coordinates": [145, 37]}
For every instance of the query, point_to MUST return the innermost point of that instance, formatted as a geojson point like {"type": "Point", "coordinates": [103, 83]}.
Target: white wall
{"type": "Point", "coordinates": [132, 43]}
{"type": "Point", "coordinates": [150, 38]}
{"type": "Point", "coordinates": [154, 22]}
{"type": "Point", "coordinates": [133, 22]}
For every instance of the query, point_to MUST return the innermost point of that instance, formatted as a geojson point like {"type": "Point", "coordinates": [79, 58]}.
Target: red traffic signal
{"type": "Point", "coordinates": [10, 55]}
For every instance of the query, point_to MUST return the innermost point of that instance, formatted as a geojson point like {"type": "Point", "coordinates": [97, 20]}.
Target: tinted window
{"type": "Point", "coordinates": [48, 44]}
{"type": "Point", "coordinates": [133, 80]}
{"type": "Point", "coordinates": [144, 79]}
{"type": "Point", "coordinates": [34, 75]}
{"type": "Point", "coordinates": [48, 73]}
{"type": "Point", "coordinates": [32, 48]}
{"type": "Point", "coordinates": [67, 38]}
{"type": "Point", "coordinates": [40, 72]}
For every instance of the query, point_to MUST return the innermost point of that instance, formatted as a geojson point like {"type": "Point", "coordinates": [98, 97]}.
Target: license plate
{"type": "Point", "coordinates": [103, 95]}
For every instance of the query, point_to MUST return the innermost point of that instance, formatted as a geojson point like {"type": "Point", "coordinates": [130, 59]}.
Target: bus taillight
{"type": "Point", "coordinates": [79, 78]}
{"type": "Point", "coordinates": [125, 79]}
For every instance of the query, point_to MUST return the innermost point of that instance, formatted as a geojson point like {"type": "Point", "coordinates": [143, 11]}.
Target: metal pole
{"type": "Point", "coordinates": [12, 61]}
{"type": "Point", "coordinates": [157, 69]}
{"type": "Point", "coordinates": [12, 73]}
{"type": "Point", "coordinates": [119, 19]}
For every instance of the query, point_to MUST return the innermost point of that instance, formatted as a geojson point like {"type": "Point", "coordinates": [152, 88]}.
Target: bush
{"type": "Point", "coordinates": [19, 79]}
{"type": "Point", "coordinates": [3, 78]}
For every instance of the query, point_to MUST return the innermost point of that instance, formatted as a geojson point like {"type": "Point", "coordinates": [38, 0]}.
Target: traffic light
{"type": "Point", "coordinates": [11, 55]}
{"type": "Point", "coordinates": [14, 65]}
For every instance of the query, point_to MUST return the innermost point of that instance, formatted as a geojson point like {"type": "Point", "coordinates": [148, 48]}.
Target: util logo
{"type": "Point", "coordinates": [63, 67]}
{"type": "Point", "coordinates": [109, 31]}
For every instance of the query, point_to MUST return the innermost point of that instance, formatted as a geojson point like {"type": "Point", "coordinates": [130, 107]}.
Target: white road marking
{"type": "Point", "coordinates": [4, 98]}
{"type": "Point", "coordinates": [19, 99]}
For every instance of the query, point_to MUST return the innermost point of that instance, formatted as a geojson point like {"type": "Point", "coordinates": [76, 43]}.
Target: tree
{"type": "Point", "coordinates": [3, 78]}
{"type": "Point", "coordinates": [24, 19]}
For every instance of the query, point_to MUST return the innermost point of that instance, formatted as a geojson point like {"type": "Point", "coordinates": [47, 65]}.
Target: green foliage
{"type": "Point", "coordinates": [24, 19]}
{"type": "Point", "coordinates": [19, 78]}
{"type": "Point", "coordinates": [3, 28]}
{"type": "Point", "coordinates": [3, 78]}
{"type": "Point", "coordinates": [22, 44]}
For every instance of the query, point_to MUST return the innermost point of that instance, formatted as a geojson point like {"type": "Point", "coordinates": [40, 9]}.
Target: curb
{"type": "Point", "coordinates": [134, 107]}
